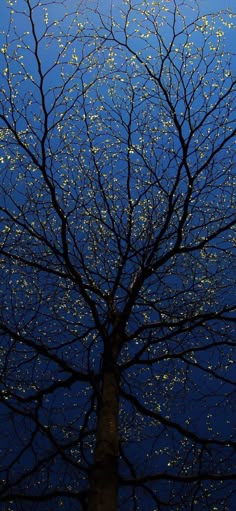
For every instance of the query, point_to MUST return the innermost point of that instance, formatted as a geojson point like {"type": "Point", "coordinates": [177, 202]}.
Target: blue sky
{"type": "Point", "coordinates": [113, 169]}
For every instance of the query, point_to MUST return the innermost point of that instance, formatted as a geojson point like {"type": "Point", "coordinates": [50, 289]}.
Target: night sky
{"type": "Point", "coordinates": [117, 166]}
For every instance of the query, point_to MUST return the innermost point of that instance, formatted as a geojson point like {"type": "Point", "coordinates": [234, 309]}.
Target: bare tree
{"type": "Point", "coordinates": [117, 260]}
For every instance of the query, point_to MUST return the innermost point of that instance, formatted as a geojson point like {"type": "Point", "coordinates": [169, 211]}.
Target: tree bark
{"type": "Point", "coordinates": [104, 473]}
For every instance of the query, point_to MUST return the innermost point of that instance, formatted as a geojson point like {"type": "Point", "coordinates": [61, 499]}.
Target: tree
{"type": "Point", "coordinates": [117, 256]}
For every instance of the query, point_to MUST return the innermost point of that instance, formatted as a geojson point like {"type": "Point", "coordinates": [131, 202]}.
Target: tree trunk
{"type": "Point", "coordinates": [104, 474]}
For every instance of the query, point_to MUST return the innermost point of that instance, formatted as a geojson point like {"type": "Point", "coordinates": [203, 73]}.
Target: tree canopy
{"type": "Point", "coordinates": [117, 256]}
